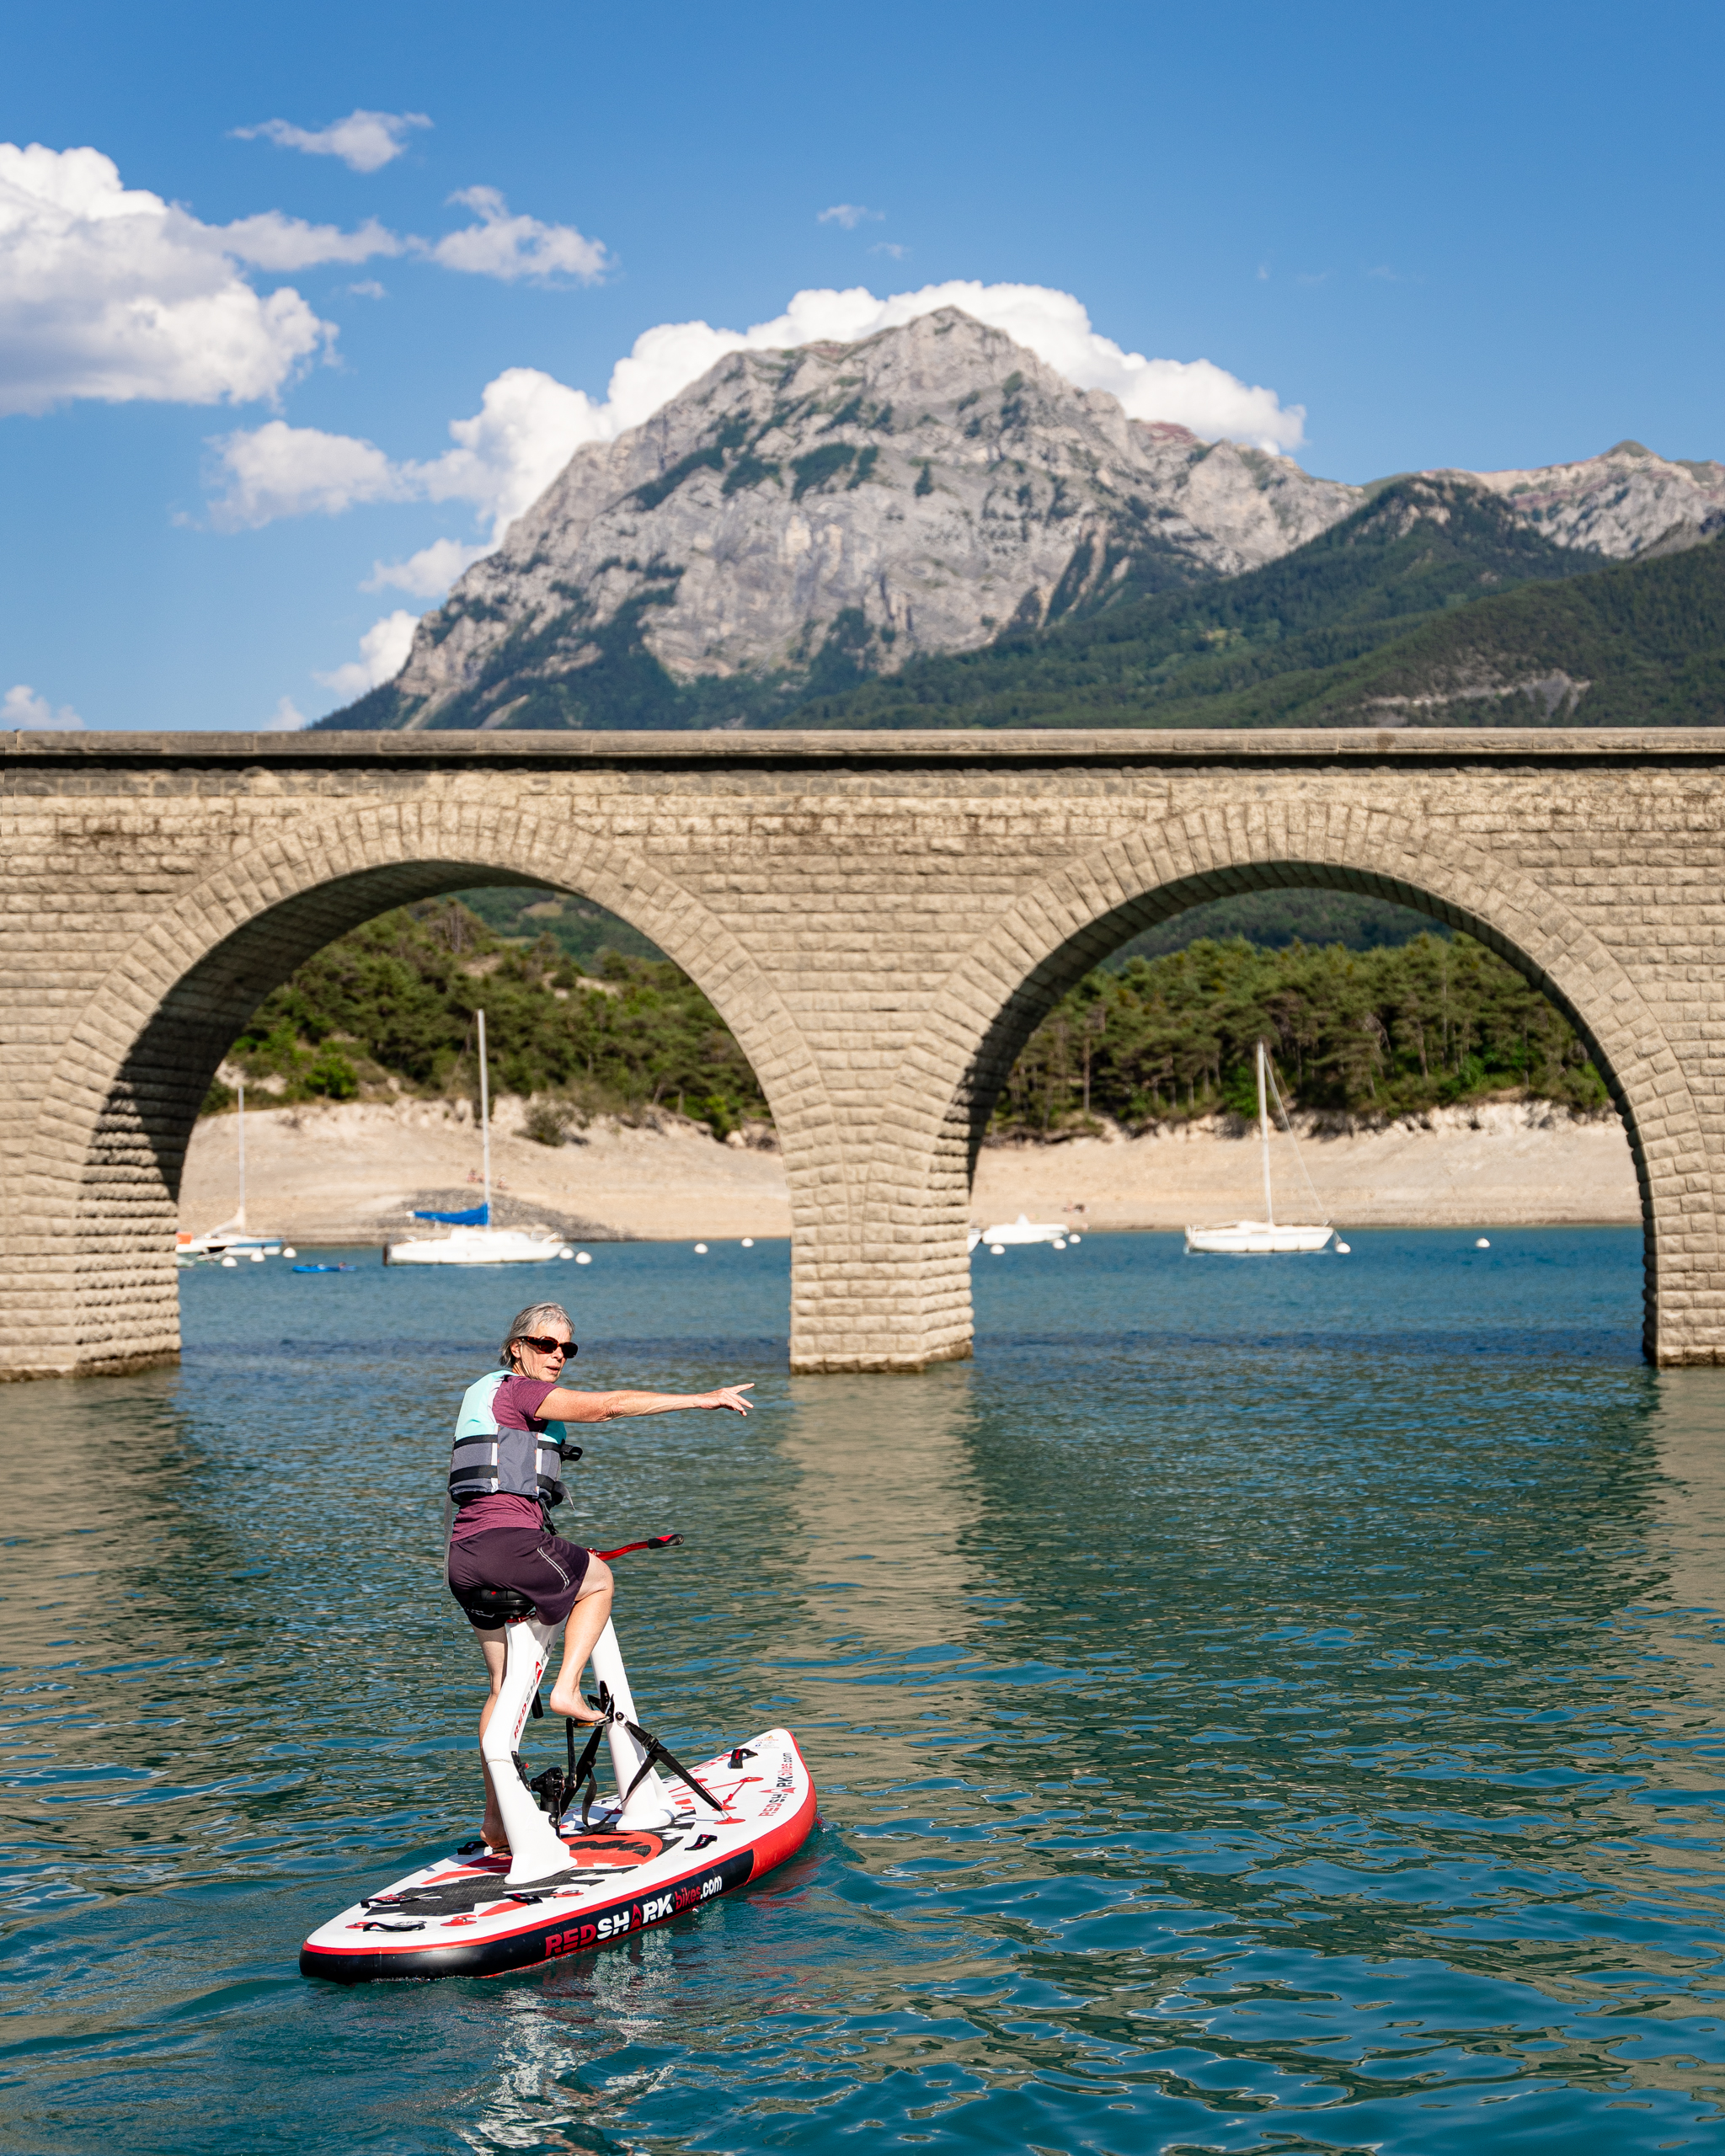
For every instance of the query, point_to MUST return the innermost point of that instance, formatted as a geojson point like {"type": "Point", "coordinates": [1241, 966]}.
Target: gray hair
{"type": "Point", "coordinates": [533, 1319]}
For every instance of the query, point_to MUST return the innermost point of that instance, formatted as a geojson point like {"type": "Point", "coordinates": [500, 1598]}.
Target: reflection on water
{"type": "Point", "coordinates": [882, 1506]}
{"type": "Point", "coordinates": [1254, 1709]}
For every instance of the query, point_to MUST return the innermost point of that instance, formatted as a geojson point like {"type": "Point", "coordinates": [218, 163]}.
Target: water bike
{"type": "Point", "coordinates": [583, 1870]}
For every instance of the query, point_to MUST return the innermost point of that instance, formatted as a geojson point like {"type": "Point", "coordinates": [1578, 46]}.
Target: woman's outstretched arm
{"type": "Point", "coordinates": [564, 1407]}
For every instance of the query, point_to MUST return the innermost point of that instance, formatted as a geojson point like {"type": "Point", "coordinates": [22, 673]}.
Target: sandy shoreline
{"type": "Point", "coordinates": [1510, 1164]}
{"type": "Point", "coordinates": [349, 1174]}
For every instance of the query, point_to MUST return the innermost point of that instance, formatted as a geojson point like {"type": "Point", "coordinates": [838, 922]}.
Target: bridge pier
{"type": "Point", "coordinates": [881, 919]}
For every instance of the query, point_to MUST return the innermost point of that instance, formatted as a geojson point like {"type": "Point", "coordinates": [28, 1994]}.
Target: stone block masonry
{"type": "Point", "coordinates": [882, 919]}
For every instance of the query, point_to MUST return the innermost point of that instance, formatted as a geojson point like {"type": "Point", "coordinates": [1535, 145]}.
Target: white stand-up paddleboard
{"type": "Point", "coordinates": [583, 1871]}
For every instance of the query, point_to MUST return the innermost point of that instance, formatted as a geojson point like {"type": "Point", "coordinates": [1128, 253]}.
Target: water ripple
{"type": "Point", "coordinates": [1254, 1709]}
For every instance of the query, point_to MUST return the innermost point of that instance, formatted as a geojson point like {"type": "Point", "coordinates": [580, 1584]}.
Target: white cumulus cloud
{"type": "Point", "coordinates": [107, 291]}
{"type": "Point", "coordinates": [271, 241]}
{"type": "Point", "coordinates": [850, 214]}
{"type": "Point", "coordinates": [364, 141]}
{"type": "Point", "coordinates": [276, 470]}
{"type": "Point", "coordinates": [510, 248]}
{"type": "Point", "coordinates": [281, 471]}
{"type": "Point", "coordinates": [527, 428]}
{"type": "Point", "coordinates": [23, 710]}
{"type": "Point", "coordinates": [383, 653]}
{"type": "Point", "coordinates": [287, 717]}
{"type": "Point", "coordinates": [429, 574]}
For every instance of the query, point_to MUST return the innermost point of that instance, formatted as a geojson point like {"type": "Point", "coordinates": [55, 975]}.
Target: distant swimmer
{"type": "Point", "coordinates": [504, 1479]}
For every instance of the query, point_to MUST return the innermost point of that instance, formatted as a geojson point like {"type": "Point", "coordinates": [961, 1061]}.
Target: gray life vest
{"type": "Point", "coordinates": [487, 1459]}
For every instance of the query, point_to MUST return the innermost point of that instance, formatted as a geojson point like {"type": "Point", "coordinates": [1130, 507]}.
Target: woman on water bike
{"type": "Point", "coordinates": [504, 1482]}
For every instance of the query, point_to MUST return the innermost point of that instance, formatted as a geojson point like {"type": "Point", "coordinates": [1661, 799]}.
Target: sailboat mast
{"type": "Point", "coordinates": [1264, 1132]}
{"type": "Point", "coordinates": [485, 1117]}
{"type": "Point", "coordinates": [239, 1218]}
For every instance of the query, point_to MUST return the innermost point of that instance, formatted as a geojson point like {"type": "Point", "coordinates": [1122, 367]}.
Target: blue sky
{"type": "Point", "coordinates": [1468, 235]}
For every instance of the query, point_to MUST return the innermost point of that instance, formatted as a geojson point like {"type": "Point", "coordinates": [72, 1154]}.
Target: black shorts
{"type": "Point", "coordinates": [532, 1560]}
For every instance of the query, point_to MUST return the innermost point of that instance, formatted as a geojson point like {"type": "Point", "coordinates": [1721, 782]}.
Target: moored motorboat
{"type": "Point", "coordinates": [1006, 1232]}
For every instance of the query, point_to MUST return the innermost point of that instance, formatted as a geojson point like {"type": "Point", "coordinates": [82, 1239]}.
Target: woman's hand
{"type": "Point", "coordinates": [729, 1396]}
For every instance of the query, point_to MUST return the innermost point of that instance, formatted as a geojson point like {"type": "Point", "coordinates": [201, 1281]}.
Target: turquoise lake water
{"type": "Point", "coordinates": [1266, 1705]}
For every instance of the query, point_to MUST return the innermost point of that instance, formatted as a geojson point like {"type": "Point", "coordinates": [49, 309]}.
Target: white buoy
{"type": "Point", "coordinates": [583, 1257]}
{"type": "Point", "coordinates": [259, 1256]}
{"type": "Point", "coordinates": [565, 1251]}
{"type": "Point", "coordinates": [1343, 1249]}
{"type": "Point", "coordinates": [1074, 1241]}
{"type": "Point", "coordinates": [996, 1250]}
{"type": "Point", "coordinates": [230, 1261]}
{"type": "Point", "coordinates": [748, 1242]}
{"type": "Point", "coordinates": [290, 1251]}
{"type": "Point", "coordinates": [1059, 1242]}
{"type": "Point", "coordinates": [700, 1250]}
{"type": "Point", "coordinates": [1482, 1244]}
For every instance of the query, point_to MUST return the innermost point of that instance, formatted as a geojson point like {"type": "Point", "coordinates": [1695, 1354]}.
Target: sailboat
{"type": "Point", "coordinates": [1264, 1238]}
{"type": "Point", "coordinates": [232, 1239]}
{"type": "Point", "coordinates": [471, 1240]}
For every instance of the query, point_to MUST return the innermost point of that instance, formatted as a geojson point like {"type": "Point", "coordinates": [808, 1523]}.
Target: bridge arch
{"type": "Point", "coordinates": [109, 1140]}
{"type": "Point", "coordinates": [1002, 987]}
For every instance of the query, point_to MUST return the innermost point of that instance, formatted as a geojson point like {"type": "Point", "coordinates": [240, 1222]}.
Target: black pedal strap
{"type": "Point", "coordinates": [657, 1755]}
{"type": "Point", "coordinates": [583, 1777]}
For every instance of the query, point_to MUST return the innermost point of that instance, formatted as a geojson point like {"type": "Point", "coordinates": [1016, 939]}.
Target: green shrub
{"type": "Point", "coordinates": [547, 1123]}
{"type": "Point", "coordinates": [330, 1076]}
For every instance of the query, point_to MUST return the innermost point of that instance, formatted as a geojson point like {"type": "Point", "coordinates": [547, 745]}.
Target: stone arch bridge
{"type": "Point", "coordinates": [881, 918]}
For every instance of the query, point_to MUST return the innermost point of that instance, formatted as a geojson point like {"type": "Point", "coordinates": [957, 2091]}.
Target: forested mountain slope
{"type": "Point", "coordinates": [1642, 643]}
{"type": "Point", "coordinates": [1422, 546]}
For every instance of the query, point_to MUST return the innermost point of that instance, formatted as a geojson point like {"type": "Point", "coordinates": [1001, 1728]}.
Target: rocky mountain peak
{"type": "Point", "coordinates": [1624, 502]}
{"type": "Point", "coordinates": [845, 507]}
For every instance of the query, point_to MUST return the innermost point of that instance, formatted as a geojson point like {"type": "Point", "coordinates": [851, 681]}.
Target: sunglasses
{"type": "Point", "coordinates": [543, 1346]}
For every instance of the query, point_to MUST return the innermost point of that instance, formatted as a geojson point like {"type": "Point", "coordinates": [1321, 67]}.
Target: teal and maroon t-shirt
{"type": "Point", "coordinates": [514, 1406]}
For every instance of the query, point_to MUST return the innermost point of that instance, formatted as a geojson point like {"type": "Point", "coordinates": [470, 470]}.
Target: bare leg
{"type": "Point", "coordinates": [587, 1620]}
{"type": "Point", "coordinates": [494, 1645]}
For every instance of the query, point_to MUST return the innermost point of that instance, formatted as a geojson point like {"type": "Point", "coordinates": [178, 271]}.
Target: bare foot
{"type": "Point", "coordinates": [494, 1838]}
{"type": "Point", "coordinates": [567, 1701]}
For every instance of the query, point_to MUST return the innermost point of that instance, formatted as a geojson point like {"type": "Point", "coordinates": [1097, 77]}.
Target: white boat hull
{"type": "Point", "coordinates": [1020, 1230]}
{"type": "Point", "coordinates": [218, 1244]}
{"type": "Point", "coordinates": [1258, 1239]}
{"type": "Point", "coordinates": [477, 1247]}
